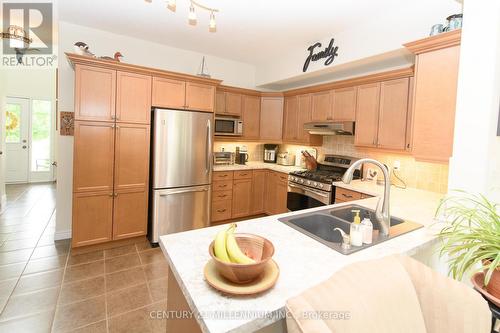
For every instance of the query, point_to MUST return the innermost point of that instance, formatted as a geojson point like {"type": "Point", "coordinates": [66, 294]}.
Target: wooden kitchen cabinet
{"type": "Point", "coordinates": [133, 98]}
{"type": "Point", "coordinates": [251, 117]}
{"type": "Point", "coordinates": [271, 118]}
{"type": "Point", "coordinates": [233, 104]}
{"type": "Point", "coordinates": [169, 93]}
{"type": "Point", "coordinates": [242, 195]}
{"type": "Point", "coordinates": [131, 157]}
{"type": "Point", "coordinates": [130, 213]}
{"type": "Point", "coordinates": [95, 93]}
{"type": "Point", "coordinates": [200, 97]}
{"type": "Point", "coordinates": [290, 119]}
{"type": "Point", "coordinates": [184, 95]}
{"type": "Point", "coordinates": [345, 195]}
{"type": "Point", "coordinates": [321, 106]}
{"type": "Point", "coordinates": [258, 192]}
{"type": "Point", "coordinates": [92, 218]}
{"type": "Point", "coordinates": [93, 158]}
{"type": "Point", "coordinates": [344, 104]}
{"type": "Point", "coordinates": [435, 93]}
{"type": "Point", "coordinates": [367, 115]}
{"type": "Point", "coordinates": [393, 114]}
{"type": "Point", "coordinates": [276, 193]}
{"type": "Point", "coordinates": [220, 102]}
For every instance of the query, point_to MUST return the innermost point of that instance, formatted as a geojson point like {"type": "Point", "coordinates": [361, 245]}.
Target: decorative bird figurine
{"type": "Point", "coordinates": [82, 48]}
{"type": "Point", "coordinates": [116, 57]}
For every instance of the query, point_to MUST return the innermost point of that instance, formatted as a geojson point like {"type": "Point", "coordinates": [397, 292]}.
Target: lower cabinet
{"type": "Point", "coordinates": [276, 193]}
{"type": "Point", "coordinates": [92, 218]}
{"type": "Point", "coordinates": [242, 194]}
{"type": "Point", "coordinates": [248, 193]}
{"type": "Point", "coordinates": [345, 195]}
{"type": "Point", "coordinates": [130, 213]}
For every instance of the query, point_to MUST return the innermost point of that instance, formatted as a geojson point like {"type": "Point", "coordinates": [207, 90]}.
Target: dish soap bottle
{"type": "Point", "coordinates": [356, 233]}
{"type": "Point", "coordinates": [367, 227]}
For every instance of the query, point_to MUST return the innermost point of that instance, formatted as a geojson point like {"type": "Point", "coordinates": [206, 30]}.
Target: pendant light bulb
{"type": "Point", "coordinates": [172, 5]}
{"type": "Point", "coordinates": [192, 15]}
{"type": "Point", "coordinates": [212, 27]}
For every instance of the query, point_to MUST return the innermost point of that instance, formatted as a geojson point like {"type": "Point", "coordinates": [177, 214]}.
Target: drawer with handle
{"type": "Point", "coordinates": [346, 195]}
{"type": "Point", "coordinates": [222, 195]}
{"type": "Point", "coordinates": [246, 174]}
{"type": "Point", "coordinates": [222, 185]}
{"type": "Point", "coordinates": [222, 175]}
{"type": "Point", "coordinates": [221, 210]}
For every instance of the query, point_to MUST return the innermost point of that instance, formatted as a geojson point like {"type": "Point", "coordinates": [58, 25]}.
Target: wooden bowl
{"type": "Point", "coordinates": [258, 248]}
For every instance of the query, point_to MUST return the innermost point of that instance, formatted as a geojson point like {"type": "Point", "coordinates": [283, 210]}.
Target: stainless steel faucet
{"type": "Point", "coordinates": [382, 214]}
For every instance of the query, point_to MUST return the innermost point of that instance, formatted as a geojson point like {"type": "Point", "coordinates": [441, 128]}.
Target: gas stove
{"type": "Point", "coordinates": [330, 169]}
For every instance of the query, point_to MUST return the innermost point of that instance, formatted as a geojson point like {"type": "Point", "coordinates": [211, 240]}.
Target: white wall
{"type": "Point", "coordinates": [475, 165]}
{"type": "Point", "coordinates": [405, 22]}
{"type": "Point", "coordinates": [3, 198]}
{"type": "Point", "coordinates": [137, 52]}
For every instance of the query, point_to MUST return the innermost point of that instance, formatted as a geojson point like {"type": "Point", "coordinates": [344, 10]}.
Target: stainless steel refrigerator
{"type": "Point", "coordinates": [181, 171]}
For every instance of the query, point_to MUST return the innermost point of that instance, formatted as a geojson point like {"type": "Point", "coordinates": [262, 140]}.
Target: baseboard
{"type": "Point", "coordinates": [3, 203]}
{"type": "Point", "coordinates": [65, 234]}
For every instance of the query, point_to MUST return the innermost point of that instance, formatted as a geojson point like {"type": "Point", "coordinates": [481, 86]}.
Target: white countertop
{"type": "Point", "coordinates": [303, 262]}
{"type": "Point", "coordinates": [257, 165]}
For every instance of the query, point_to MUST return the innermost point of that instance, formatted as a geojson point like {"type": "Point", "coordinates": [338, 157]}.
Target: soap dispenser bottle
{"type": "Point", "coordinates": [367, 227]}
{"type": "Point", "coordinates": [356, 232]}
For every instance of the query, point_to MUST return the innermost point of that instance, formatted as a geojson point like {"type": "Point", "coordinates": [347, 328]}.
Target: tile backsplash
{"type": "Point", "coordinates": [416, 174]}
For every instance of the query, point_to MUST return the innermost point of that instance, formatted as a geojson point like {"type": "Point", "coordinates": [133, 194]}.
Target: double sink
{"type": "Point", "coordinates": [320, 226]}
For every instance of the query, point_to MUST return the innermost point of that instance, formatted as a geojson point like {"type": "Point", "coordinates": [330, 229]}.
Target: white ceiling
{"type": "Point", "coordinates": [251, 31]}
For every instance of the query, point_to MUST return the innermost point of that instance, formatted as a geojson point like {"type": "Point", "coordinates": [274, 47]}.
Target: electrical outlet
{"type": "Point", "coordinates": [397, 165]}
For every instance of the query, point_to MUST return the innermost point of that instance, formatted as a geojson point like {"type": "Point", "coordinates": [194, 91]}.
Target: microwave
{"type": "Point", "coordinates": [228, 126]}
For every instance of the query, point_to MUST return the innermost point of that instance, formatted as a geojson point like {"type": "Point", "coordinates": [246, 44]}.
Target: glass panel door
{"type": "Point", "coordinates": [16, 140]}
{"type": "Point", "coordinates": [41, 141]}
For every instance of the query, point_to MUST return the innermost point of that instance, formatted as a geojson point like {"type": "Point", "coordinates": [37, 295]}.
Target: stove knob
{"type": "Point", "coordinates": [320, 185]}
{"type": "Point", "coordinates": [308, 182]}
{"type": "Point", "coordinates": [302, 181]}
{"type": "Point", "coordinates": [315, 184]}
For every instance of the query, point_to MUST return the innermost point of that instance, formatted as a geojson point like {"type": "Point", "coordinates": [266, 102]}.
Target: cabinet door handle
{"type": "Point", "coordinates": [222, 196]}
{"type": "Point", "coordinates": [110, 194]}
{"type": "Point", "coordinates": [116, 194]}
{"type": "Point", "coordinates": [222, 176]}
{"type": "Point", "coordinates": [221, 210]}
{"type": "Point", "coordinates": [225, 185]}
{"type": "Point", "coordinates": [347, 195]}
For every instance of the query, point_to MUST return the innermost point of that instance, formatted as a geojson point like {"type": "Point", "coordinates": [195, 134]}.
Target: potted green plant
{"type": "Point", "coordinates": [471, 237]}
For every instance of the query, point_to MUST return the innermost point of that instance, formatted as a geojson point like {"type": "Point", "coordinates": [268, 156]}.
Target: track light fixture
{"type": "Point", "coordinates": [192, 17]}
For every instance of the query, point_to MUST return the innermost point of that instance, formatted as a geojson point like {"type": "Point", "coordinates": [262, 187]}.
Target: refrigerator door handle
{"type": "Point", "coordinates": [170, 192]}
{"type": "Point", "coordinates": [209, 145]}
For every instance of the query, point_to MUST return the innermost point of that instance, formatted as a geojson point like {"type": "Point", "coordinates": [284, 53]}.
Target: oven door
{"type": "Point", "coordinates": [301, 197]}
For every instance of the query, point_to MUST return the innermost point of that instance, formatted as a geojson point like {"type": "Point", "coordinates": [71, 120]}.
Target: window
{"type": "Point", "coordinates": [40, 135]}
{"type": "Point", "coordinates": [13, 123]}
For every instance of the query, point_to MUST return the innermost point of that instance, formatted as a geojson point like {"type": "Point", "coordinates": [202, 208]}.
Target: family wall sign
{"type": "Point", "coordinates": [329, 53]}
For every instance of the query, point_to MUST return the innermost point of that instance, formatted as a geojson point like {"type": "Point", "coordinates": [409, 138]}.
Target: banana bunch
{"type": "Point", "coordinates": [227, 249]}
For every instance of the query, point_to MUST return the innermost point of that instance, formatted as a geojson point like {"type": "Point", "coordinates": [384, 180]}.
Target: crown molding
{"type": "Point", "coordinates": [437, 42]}
{"type": "Point", "coordinates": [76, 59]}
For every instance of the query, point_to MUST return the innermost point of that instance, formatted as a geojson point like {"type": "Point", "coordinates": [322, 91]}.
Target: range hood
{"type": "Point", "coordinates": [330, 128]}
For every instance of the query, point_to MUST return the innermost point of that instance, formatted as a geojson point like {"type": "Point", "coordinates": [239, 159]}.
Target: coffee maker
{"type": "Point", "coordinates": [241, 155]}
{"type": "Point", "coordinates": [270, 153]}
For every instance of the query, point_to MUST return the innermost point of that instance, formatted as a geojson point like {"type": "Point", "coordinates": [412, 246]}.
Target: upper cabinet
{"type": "Point", "coordinates": [133, 98]}
{"type": "Point", "coordinates": [344, 104]}
{"type": "Point", "coordinates": [297, 112]}
{"type": "Point", "coordinates": [200, 97]}
{"type": "Point", "coordinates": [271, 118]}
{"type": "Point", "coordinates": [367, 113]}
{"type": "Point", "coordinates": [290, 119]}
{"type": "Point", "coordinates": [382, 118]}
{"type": "Point", "coordinates": [229, 103]}
{"type": "Point", "coordinates": [95, 93]}
{"type": "Point", "coordinates": [393, 116]}
{"type": "Point", "coordinates": [179, 94]}
{"type": "Point", "coordinates": [435, 93]}
{"type": "Point", "coordinates": [251, 117]}
{"type": "Point", "coordinates": [322, 106]}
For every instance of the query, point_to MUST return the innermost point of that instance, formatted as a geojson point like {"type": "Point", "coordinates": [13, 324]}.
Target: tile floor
{"type": "Point", "coordinates": [44, 287]}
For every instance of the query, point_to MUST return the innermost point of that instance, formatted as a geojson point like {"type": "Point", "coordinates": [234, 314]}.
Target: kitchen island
{"type": "Point", "coordinates": [303, 262]}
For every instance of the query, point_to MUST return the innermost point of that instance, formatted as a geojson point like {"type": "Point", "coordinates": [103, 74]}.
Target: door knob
{"type": "Point", "coordinates": [24, 147]}
{"type": "Point", "coordinates": [24, 141]}
{"type": "Point", "coordinates": [54, 163]}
